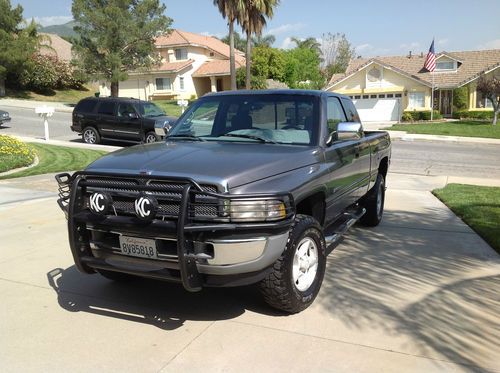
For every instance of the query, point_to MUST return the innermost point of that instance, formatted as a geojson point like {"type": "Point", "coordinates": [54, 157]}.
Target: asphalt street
{"type": "Point", "coordinates": [433, 158]}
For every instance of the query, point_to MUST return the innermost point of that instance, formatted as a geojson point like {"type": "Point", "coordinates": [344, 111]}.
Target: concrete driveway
{"type": "Point", "coordinates": [419, 293]}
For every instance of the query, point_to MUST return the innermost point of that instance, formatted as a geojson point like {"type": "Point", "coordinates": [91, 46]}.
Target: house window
{"type": "Point", "coordinates": [390, 95]}
{"type": "Point", "coordinates": [481, 101]}
{"type": "Point", "coordinates": [373, 96]}
{"type": "Point", "coordinates": [445, 65]}
{"type": "Point", "coordinates": [181, 83]}
{"type": "Point", "coordinates": [163, 84]}
{"type": "Point", "coordinates": [398, 95]}
{"type": "Point", "coordinates": [416, 99]}
{"type": "Point", "coordinates": [181, 54]}
{"type": "Point", "coordinates": [357, 97]}
{"type": "Point", "coordinates": [365, 96]}
{"type": "Point", "coordinates": [374, 75]}
{"type": "Point", "coordinates": [381, 96]}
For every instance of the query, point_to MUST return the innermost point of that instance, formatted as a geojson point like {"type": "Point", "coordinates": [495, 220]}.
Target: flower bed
{"type": "Point", "coordinates": [14, 153]}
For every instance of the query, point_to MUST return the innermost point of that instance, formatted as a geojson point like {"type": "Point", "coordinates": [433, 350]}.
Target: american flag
{"type": "Point", "coordinates": [430, 61]}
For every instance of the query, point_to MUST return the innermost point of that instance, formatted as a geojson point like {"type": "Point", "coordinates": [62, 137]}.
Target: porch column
{"type": "Point", "coordinates": [213, 84]}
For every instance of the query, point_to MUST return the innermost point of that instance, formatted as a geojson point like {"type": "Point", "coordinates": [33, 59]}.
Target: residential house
{"type": "Point", "coordinates": [192, 65]}
{"type": "Point", "coordinates": [54, 45]}
{"type": "Point", "coordinates": [383, 87]}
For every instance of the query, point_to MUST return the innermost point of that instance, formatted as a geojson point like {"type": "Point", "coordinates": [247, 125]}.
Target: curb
{"type": "Point", "coordinates": [58, 106]}
{"type": "Point", "coordinates": [404, 136]}
{"type": "Point", "coordinates": [68, 144]}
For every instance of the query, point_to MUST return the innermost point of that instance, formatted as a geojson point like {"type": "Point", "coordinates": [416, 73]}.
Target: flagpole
{"type": "Point", "coordinates": [432, 95]}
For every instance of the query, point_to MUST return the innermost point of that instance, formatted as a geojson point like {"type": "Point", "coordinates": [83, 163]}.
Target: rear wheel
{"type": "Point", "coordinates": [151, 137]}
{"type": "Point", "coordinates": [91, 136]}
{"type": "Point", "coordinates": [374, 203]}
{"type": "Point", "coordinates": [297, 275]}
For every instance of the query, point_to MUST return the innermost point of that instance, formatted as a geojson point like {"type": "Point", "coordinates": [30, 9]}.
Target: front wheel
{"type": "Point", "coordinates": [298, 274]}
{"type": "Point", "coordinates": [91, 136]}
{"type": "Point", "coordinates": [151, 137]}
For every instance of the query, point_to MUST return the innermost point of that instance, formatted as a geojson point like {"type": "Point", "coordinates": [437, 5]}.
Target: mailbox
{"type": "Point", "coordinates": [45, 112]}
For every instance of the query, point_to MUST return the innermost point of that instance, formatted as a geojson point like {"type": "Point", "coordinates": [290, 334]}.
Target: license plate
{"type": "Point", "coordinates": [140, 247]}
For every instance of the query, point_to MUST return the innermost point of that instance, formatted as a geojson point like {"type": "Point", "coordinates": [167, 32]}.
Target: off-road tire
{"type": "Point", "coordinates": [115, 276]}
{"type": "Point", "coordinates": [374, 207]}
{"type": "Point", "coordinates": [151, 135]}
{"type": "Point", "coordinates": [91, 136]}
{"type": "Point", "coordinates": [278, 287]}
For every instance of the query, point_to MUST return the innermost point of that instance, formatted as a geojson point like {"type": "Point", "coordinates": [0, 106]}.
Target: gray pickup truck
{"type": "Point", "coordinates": [249, 187]}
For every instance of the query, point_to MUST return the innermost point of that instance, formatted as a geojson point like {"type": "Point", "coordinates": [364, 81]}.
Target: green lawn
{"type": "Point", "coordinates": [477, 206]}
{"type": "Point", "coordinates": [58, 158]}
{"type": "Point", "coordinates": [69, 96]}
{"type": "Point", "coordinates": [170, 107]}
{"type": "Point", "coordinates": [459, 128]}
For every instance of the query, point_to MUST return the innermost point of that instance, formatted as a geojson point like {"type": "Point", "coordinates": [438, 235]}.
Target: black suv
{"type": "Point", "coordinates": [124, 119]}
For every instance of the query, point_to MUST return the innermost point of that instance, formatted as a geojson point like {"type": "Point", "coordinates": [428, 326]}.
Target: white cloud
{"type": "Point", "coordinates": [492, 44]}
{"type": "Point", "coordinates": [287, 43]}
{"type": "Point", "coordinates": [218, 35]}
{"type": "Point", "coordinates": [442, 41]}
{"type": "Point", "coordinates": [283, 29]}
{"type": "Point", "coordinates": [364, 48]}
{"type": "Point", "coordinates": [410, 46]}
{"type": "Point", "coordinates": [52, 20]}
{"type": "Point", "coordinates": [368, 50]}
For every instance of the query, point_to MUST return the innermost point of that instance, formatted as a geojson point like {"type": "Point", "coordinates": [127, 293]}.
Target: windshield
{"type": "Point", "coordinates": [282, 119]}
{"type": "Point", "coordinates": [149, 110]}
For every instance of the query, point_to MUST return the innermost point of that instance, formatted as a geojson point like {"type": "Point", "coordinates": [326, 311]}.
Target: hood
{"type": "Point", "coordinates": [228, 164]}
{"type": "Point", "coordinates": [163, 118]}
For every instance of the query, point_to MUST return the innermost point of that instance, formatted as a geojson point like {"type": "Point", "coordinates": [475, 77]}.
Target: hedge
{"type": "Point", "coordinates": [473, 114]}
{"type": "Point", "coordinates": [413, 116]}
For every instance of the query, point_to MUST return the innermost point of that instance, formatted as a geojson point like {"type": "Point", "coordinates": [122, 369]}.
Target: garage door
{"type": "Point", "coordinates": [378, 109]}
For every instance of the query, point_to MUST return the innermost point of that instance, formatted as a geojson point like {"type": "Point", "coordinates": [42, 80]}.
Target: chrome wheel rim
{"type": "Point", "coordinates": [379, 201]}
{"type": "Point", "coordinates": [89, 137]}
{"type": "Point", "coordinates": [305, 264]}
{"type": "Point", "coordinates": [150, 139]}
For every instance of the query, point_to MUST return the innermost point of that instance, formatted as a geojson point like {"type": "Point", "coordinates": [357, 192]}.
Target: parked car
{"type": "Point", "coordinates": [4, 117]}
{"type": "Point", "coordinates": [124, 119]}
{"type": "Point", "coordinates": [249, 187]}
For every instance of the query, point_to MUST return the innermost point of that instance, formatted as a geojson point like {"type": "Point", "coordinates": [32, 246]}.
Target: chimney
{"type": "Point", "coordinates": [409, 54]}
{"type": "Point", "coordinates": [421, 54]}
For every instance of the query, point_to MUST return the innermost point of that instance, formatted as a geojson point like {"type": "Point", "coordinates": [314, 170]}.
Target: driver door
{"type": "Point", "coordinates": [128, 122]}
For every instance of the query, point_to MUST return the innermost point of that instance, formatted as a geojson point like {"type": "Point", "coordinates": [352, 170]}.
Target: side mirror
{"type": "Point", "coordinates": [133, 116]}
{"type": "Point", "coordinates": [346, 131]}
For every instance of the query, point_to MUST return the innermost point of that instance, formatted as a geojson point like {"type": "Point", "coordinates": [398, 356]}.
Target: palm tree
{"type": "Point", "coordinates": [309, 43]}
{"type": "Point", "coordinates": [231, 9]}
{"type": "Point", "coordinates": [253, 21]}
{"type": "Point", "coordinates": [263, 41]}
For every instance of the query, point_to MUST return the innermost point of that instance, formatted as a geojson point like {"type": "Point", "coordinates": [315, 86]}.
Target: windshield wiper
{"type": "Point", "coordinates": [185, 136]}
{"type": "Point", "coordinates": [253, 137]}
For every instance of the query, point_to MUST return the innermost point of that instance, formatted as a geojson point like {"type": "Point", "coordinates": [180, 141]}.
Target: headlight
{"type": "Point", "coordinates": [256, 210]}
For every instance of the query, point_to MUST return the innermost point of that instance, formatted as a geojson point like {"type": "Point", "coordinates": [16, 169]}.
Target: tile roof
{"type": "Point", "coordinates": [473, 63]}
{"type": "Point", "coordinates": [173, 66]}
{"type": "Point", "coordinates": [178, 37]}
{"type": "Point", "coordinates": [214, 67]}
{"type": "Point", "coordinates": [56, 46]}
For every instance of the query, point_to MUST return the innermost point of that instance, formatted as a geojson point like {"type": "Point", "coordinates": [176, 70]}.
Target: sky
{"type": "Point", "coordinates": [375, 28]}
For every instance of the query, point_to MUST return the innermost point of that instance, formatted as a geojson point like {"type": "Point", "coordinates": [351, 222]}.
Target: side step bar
{"type": "Point", "coordinates": [346, 222]}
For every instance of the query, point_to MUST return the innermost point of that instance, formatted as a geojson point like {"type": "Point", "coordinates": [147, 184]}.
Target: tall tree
{"type": "Point", "coordinates": [490, 88]}
{"type": "Point", "coordinates": [337, 52]}
{"type": "Point", "coordinates": [308, 43]}
{"type": "Point", "coordinates": [263, 40]}
{"type": "Point", "coordinates": [239, 42]}
{"type": "Point", "coordinates": [117, 36]}
{"type": "Point", "coordinates": [253, 21]}
{"type": "Point", "coordinates": [231, 9]}
{"type": "Point", "coordinates": [18, 41]}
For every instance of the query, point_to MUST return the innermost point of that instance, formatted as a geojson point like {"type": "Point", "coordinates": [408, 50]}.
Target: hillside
{"type": "Point", "coordinates": [61, 30]}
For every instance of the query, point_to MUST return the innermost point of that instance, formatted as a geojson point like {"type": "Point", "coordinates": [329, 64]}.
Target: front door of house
{"type": "Point", "coordinates": [445, 102]}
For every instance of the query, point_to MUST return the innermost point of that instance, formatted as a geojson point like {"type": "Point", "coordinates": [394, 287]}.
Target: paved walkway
{"type": "Point", "coordinates": [418, 293]}
{"type": "Point", "coordinates": [32, 104]}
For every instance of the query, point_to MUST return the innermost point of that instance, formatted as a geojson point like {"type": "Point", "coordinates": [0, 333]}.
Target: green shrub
{"type": "Point", "coordinates": [413, 116]}
{"type": "Point", "coordinates": [476, 114]}
{"type": "Point", "coordinates": [460, 98]}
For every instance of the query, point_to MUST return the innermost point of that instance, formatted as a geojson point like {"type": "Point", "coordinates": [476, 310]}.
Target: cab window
{"type": "Point", "coordinates": [335, 114]}
{"type": "Point", "coordinates": [350, 110]}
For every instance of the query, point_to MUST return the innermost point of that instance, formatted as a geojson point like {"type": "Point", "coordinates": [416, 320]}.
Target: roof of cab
{"type": "Point", "coordinates": [304, 92]}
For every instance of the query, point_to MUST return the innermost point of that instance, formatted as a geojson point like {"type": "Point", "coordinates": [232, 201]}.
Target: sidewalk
{"type": "Point", "coordinates": [404, 136]}
{"type": "Point", "coordinates": [31, 104]}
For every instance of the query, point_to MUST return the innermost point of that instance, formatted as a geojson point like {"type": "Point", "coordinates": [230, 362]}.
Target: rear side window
{"type": "Point", "coordinates": [86, 106]}
{"type": "Point", "coordinates": [334, 114]}
{"type": "Point", "coordinates": [107, 108]}
{"type": "Point", "coordinates": [350, 110]}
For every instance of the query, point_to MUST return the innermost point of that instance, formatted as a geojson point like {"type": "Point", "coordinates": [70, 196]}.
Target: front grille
{"type": "Point", "coordinates": [124, 192]}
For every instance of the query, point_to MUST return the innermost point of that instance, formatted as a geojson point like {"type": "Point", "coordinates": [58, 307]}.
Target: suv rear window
{"type": "Point", "coordinates": [107, 108]}
{"type": "Point", "coordinates": [86, 106]}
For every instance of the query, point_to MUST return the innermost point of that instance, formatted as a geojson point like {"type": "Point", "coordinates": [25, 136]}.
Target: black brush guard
{"type": "Point", "coordinates": [191, 279]}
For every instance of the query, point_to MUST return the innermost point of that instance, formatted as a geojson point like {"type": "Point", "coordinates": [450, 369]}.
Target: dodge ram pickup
{"type": "Point", "coordinates": [248, 187]}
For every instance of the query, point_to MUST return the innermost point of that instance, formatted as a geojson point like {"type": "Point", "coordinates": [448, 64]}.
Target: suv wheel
{"type": "Point", "coordinates": [150, 138]}
{"type": "Point", "coordinates": [91, 136]}
{"type": "Point", "coordinates": [374, 204]}
{"type": "Point", "coordinates": [297, 275]}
